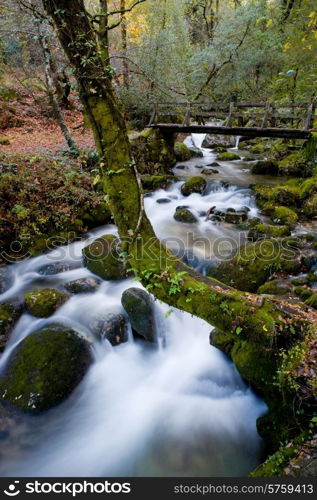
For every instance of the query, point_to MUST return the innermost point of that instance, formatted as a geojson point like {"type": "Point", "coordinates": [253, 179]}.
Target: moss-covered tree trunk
{"type": "Point", "coordinates": [168, 278]}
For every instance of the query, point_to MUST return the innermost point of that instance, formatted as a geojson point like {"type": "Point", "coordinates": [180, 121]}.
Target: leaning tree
{"type": "Point", "coordinates": [84, 37]}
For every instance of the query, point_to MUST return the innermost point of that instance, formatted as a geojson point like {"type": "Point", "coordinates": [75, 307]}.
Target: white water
{"type": "Point", "coordinates": [180, 410]}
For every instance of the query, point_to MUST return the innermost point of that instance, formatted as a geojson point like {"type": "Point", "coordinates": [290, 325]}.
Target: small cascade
{"type": "Point", "coordinates": [236, 146]}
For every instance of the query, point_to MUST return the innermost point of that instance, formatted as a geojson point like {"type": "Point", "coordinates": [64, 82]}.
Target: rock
{"type": "Point", "coordinates": [265, 167]}
{"type": "Point", "coordinates": [312, 301]}
{"type": "Point", "coordinates": [112, 327]}
{"type": "Point", "coordinates": [183, 153]}
{"type": "Point", "coordinates": [213, 164]}
{"type": "Point", "coordinates": [57, 268]}
{"type": "Point", "coordinates": [235, 217]}
{"type": "Point", "coordinates": [214, 141]}
{"type": "Point", "coordinates": [43, 303]}
{"type": "Point", "coordinates": [44, 369]}
{"type": "Point", "coordinates": [227, 156]}
{"type": "Point", "coordinates": [285, 216]}
{"type": "Point", "coordinates": [209, 171]}
{"type": "Point", "coordinates": [258, 149]}
{"type": "Point", "coordinates": [9, 314]}
{"type": "Point", "coordinates": [295, 164]}
{"type": "Point", "coordinates": [220, 149]}
{"type": "Point", "coordinates": [224, 184]}
{"type": "Point", "coordinates": [245, 209]}
{"type": "Point", "coordinates": [193, 185]}
{"type": "Point", "coordinates": [163, 200]}
{"type": "Point", "coordinates": [184, 215]}
{"type": "Point", "coordinates": [182, 167]}
{"type": "Point", "coordinates": [303, 280]}
{"type": "Point", "coordinates": [152, 182]}
{"type": "Point", "coordinates": [310, 207]}
{"type": "Point", "coordinates": [83, 285]}
{"type": "Point", "coordinates": [102, 257]}
{"type": "Point", "coordinates": [264, 231]}
{"type": "Point", "coordinates": [303, 292]}
{"type": "Point", "coordinates": [152, 151]}
{"type": "Point", "coordinates": [139, 307]}
{"type": "Point", "coordinates": [198, 166]}
{"type": "Point", "coordinates": [254, 263]}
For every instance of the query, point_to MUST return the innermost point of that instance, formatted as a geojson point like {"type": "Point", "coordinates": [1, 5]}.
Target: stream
{"type": "Point", "coordinates": [179, 410]}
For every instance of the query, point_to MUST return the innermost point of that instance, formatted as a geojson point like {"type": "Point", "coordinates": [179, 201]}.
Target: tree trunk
{"type": "Point", "coordinates": [124, 42]}
{"type": "Point", "coordinates": [51, 93]}
{"type": "Point", "coordinates": [160, 271]}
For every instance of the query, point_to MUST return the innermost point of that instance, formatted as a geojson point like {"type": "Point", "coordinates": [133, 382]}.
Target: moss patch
{"type": "Point", "coordinates": [43, 303]}
{"type": "Point", "coordinates": [102, 257]}
{"type": "Point", "coordinates": [227, 156]}
{"type": "Point", "coordinates": [194, 185]}
{"type": "Point", "coordinates": [285, 216]}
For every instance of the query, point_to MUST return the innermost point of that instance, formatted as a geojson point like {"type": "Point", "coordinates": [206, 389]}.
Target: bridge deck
{"type": "Point", "coordinates": [171, 128]}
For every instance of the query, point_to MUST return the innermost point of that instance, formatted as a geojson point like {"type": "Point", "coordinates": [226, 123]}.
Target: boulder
{"type": "Point", "coordinates": [44, 369]}
{"type": "Point", "coordinates": [57, 268]}
{"type": "Point", "coordinates": [235, 217]}
{"type": "Point", "coordinates": [265, 167]}
{"type": "Point", "coordinates": [182, 167]}
{"type": "Point", "coordinates": [228, 156]}
{"type": "Point", "coordinates": [9, 314]}
{"type": "Point", "coordinates": [102, 257]}
{"type": "Point", "coordinates": [209, 171]}
{"type": "Point", "coordinates": [254, 263]}
{"type": "Point", "coordinates": [214, 141]}
{"type": "Point", "coordinates": [152, 182]}
{"type": "Point", "coordinates": [184, 153]}
{"type": "Point", "coordinates": [264, 231]}
{"type": "Point", "coordinates": [112, 327]}
{"type": "Point", "coordinates": [83, 285]}
{"type": "Point", "coordinates": [193, 185]}
{"type": "Point", "coordinates": [295, 164]}
{"type": "Point", "coordinates": [138, 305]}
{"type": "Point", "coordinates": [43, 303]}
{"type": "Point", "coordinates": [184, 215]}
{"type": "Point", "coordinates": [161, 201]}
{"type": "Point", "coordinates": [285, 216]}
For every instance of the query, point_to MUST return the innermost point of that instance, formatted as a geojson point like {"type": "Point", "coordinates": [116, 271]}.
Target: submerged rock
{"type": "Point", "coordinates": [235, 217]}
{"type": "Point", "coordinates": [138, 305]}
{"type": "Point", "coordinates": [161, 201]}
{"type": "Point", "coordinates": [193, 185]}
{"type": "Point", "coordinates": [184, 215]}
{"type": "Point", "coordinates": [57, 268]}
{"type": "Point", "coordinates": [44, 369]}
{"type": "Point", "coordinates": [83, 285]}
{"type": "Point", "coordinates": [228, 156]}
{"type": "Point", "coordinates": [102, 257]}
{"type": "Point", "coordinates": [209, 171]}
{"type": "Point", "coordinates": [182, 167]}
{"type": "Point", "coordinates": [112, 327]}
{"type": "Point", "coordinates": [265, 167]}
{"type": "Point", "coordinates": [43, 303]}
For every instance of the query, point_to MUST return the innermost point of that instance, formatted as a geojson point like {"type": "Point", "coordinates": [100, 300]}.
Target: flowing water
{"type": "Point", "coordinates": [179, 410]}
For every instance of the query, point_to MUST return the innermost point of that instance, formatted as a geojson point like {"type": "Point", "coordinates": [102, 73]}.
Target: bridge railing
{"type": "Point", "coordinates": [300, 116]}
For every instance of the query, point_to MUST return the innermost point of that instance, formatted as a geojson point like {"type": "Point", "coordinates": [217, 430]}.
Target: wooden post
{"type": "Point", "coordinates": [186, 121]}
{"type": "Point", "coordinates": [153, 118]}
{"type": "Point", "coordinates": [309, 118]}
{"type": "Point", "coordinates": [230, 114]}
{"type": "Point", "coordinates": [266, 115]}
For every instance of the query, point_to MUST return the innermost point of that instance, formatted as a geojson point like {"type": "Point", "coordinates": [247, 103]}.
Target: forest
{"type": "Point", "coordinates": [158, 217]}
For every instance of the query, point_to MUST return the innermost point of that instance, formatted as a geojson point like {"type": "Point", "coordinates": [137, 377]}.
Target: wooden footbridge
{"type": "Point", "coordinates": [248, 119]}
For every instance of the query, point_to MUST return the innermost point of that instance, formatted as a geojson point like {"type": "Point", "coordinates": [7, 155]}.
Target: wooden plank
{"type": "Point", "coordinates": [243, 131]}
{"type": "Point", "coordinates": [309, 119]}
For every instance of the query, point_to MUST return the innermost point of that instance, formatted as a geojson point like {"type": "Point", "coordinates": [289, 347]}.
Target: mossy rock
{"type": "Point", "coordinates": [265, 167]}
{"type": "Point", "coordinates": [152, 152]}
{"type": "Point", "coordinates": [258, 149]}
{"type": "Point", "coordinates": [254, 263]}
{"type": "Point", "coordinates": [44, 369]}
{"type": "Point", "coordinates": [312, 301]}
{"type": "Point", "coordinates": [184, 215]}
{"type": "Point", "coordinates": [83, 285]}
{"type": "Point", "coordinates": [285, 195]}
{"type": "Point", "coordinates": [43, 303]}
{"type": "Point", "coordinates": [184, 153]}
{"type": "Point", "coordinates": [98, 215]}
{"type": "Point", "coordinates": [273, 288]}
{"type": "Point", "coordinates": [310, 207]}
{"type": "Point", "coordinates": [102, 257]}
{"type": "Point", "coordinates": [264, 231]}
{"type": "Point", "coordinates": [255, 363]}
{"type": "Point", "coordinates": [303, 280]}
{"type": "Point", "coordinates": [303, 292]}
{"type": "Point", "coordinates": [194, 185]}
{"type": "Point", "coordinates": [138, 305]}
{"type": "Point", "coordinates": [285, 216]}
{"type": "Point", "coordinates": [228, 156]}
{"type": "Point", "coordinates": [295, 164]}
{"type": "Point", "coordinates": [152, 182]}
{"type": "Point", "coordinates": [9, 314]}
{"type": "Point", "coordinates": [308, 187]}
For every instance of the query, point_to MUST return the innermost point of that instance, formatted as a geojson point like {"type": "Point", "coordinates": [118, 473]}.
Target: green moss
{"type": "Point", "coordinates": [43, 303]}
{"type": "Point", "coordinates": [285, 195]}
{"type": "Point", "coordinates": [193, 185]}
{"type": "Point", "coordinates": [295, 164]}
{"type": "Point", "coordinates": [310, 207]}
{"type": "Point", "coordinates": [265, 167]}
{"type": "Point", "coordinates": [227, 156]}
{"type": "Point", "coordinates": [4, 141]}
{"type": "Point", "coordinates": [303, 292]}
{"type": "Point", "coordinates": [183, 153]}
{"type": "Point", "coordinates": [102, 257]}
{"type": "Point", "coordinates": [272, 288]}
{"type": "Point", "coordinates": [184, 215]}
{"type": "Point", "coordinates": [152, 182]}
{"type": "Point", "coordinates": [312, 301]}
{"type": "Point", "coordinates": [152, 152]}
{"type": "Point", "coordinates": [284, 215]}
{"type": "Point", "coordinates": [308, 187]}
{"type": "Point", "coordinates": [44, 369]}
{"type": "Point", "coordinates": [257, 149]}
{"type": "Point", "coordinates": [262, 231]}
{"type": "Point", "coordinates": [275, 464]}
{"type": "Point", "coordinates": [255, 263]}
